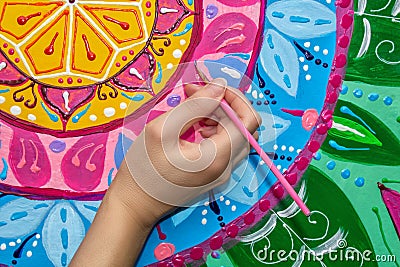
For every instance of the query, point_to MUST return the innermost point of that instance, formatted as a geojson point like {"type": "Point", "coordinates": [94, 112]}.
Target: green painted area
{"type": "Point", "coordinates": [371, 168]}
{"type": "Point", "coordinates": [379, 65]}
{"type": "Point", "coordinates": [333, 215]}
{"type": "Point", "coordinates": [365, 198]}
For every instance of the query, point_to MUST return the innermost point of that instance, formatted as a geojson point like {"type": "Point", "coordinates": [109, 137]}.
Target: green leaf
{"type": "Point", "coordinates": [381, 148]}
{"type": "Point", "coordinates": [351, 130]}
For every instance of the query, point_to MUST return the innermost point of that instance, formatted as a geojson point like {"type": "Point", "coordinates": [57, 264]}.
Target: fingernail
{"type": "Point", "coordinates": [219, 86]}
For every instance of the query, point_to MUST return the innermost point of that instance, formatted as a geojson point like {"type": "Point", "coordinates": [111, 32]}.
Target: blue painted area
{"type": "Point", "coordinates": [41, 205]}
{"type": "Point", "coordinates": [277, 14]}
{"type": "Point", "coordinates": [52, 116]}
{"type": "Point", "coordinates": [358, 93]}
{"type": "Point", "coordinates": [4, 91]}
{"type": "Point", "coordinates": [317, 155]}
{"type": "Point", "coordinates": [138, 97]}
{"type": "Point", "coordinates": [331, 165]}
{"type": "Point", "coordinates": [3, 173]}
{"type": "Point", "coordinates": [247, 191]}
{"type": "Point", "coordinates": [63, 215]}
{"type": "Point", "coordinates": [241, 55]}
{"type": "Point", "coordinates": [269, 41]}
{"type": "Point", "coordinates": [159, 75]}
{"type": "Point", "coordinates": [92, 208]}
{"type": "Point", "coordinates": [388, 100]}
{"type": "Point", "coordinates": [345, 173]}
{"type": "Point", "coordinates": [336, 146]}
{"type": "Point", "coordinates": [322, 22]}
{"type": "Point", "coordinates": [187, 28]}
{"type": "Point", "coordinates": [277, 126]}
{"type": "Point", "coordinates": [64, 238]}
{"type": "Point", "coordinates": [278, 63]}
{"type": "Point", "coordinates": [302, 18]}
{"type": "Point", "coordinates": [285, 76]}
{"type": "Point", "coordinates": [360, 181]}
{"type": "Point", "coordinates": [121, 148]}
{"type": "Point", "coordinates": [110, 176]}
{"type": "Point", "coordinates": [373, 96]}
{"type": "Point", "coordinates": [299, 19]}
{"type": "Point", "coordinates": [64, 259]}
{"type": "Point", "coordinates": [78, 116]}
{"type": "Point", "coordinates": [190, 2]}
{"type": "Point", "coordinates": [2, 223]}
{"type": "Point", "coordinates": [346, 110]}
{"type": "Point", "coordinates": [286, 80]}
{"type": "Point", "coordinates": [345, 89]}
{"type": "Point", "coordinates": [18, 215]}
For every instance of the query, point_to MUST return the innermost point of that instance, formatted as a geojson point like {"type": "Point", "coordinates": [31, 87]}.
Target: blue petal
{"type": "Point", "coordinates": [179, 217]}
{"type": "Point", "coordinates": [302, 19]}
{"type": "Point", "coordinates": [121, 148]}
{"type": "Point", "coordinates": [270, 132]}
{"type": "Point", "coordinates": [63, 231]}
{"type": "Point", "coordinates": [22, 216]}
{"type": "Point", "coordinates": [87, 208]}
{"type": "Point", "coordinates": [279, 59]}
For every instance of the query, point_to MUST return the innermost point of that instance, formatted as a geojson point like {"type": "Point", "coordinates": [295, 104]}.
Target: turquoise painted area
{"type": "Point", "coordinates": [52, 116]}
{"type": "Point", "coordinates": [137, 97]}
{"type": "Point", "coordinates": [187, 28]}
{"type": "Point", "coordinates": [82, 113]}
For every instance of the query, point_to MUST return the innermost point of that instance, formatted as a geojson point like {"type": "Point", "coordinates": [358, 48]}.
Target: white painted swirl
{"type": "Point", "coordinates": [390, 51]}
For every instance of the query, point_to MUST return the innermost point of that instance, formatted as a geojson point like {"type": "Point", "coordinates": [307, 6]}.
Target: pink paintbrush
{"type": "Point", "coordinates": [232, 115]}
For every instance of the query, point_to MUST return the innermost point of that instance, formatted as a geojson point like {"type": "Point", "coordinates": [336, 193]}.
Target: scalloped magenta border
{"type": "Point", "coordinates": [197, 254]}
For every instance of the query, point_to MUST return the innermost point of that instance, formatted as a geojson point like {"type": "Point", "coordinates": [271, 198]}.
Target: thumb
{"type": "Point", "coordinates": [191, 88]}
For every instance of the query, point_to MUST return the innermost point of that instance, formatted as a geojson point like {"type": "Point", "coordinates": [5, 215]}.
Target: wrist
{"type": "Point", "coordinates": [141, 208]}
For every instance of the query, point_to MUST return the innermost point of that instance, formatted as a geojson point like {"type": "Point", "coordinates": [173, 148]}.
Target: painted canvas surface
{"type": "Point", "coordinates": [325, 80]}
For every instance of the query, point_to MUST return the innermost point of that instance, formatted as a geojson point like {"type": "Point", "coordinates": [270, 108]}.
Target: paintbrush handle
{"type": "Point", "coordinates": [253, 142]}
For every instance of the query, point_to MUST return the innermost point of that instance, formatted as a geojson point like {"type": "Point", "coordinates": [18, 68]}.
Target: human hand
{"type": "Point", "coordinates": [161, 171]}
{"type": "Point", "coordinates": [171, 171]}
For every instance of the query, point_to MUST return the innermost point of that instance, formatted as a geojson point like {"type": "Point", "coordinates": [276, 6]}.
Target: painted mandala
{"type": "Point", "coordinates": [71, 70]}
